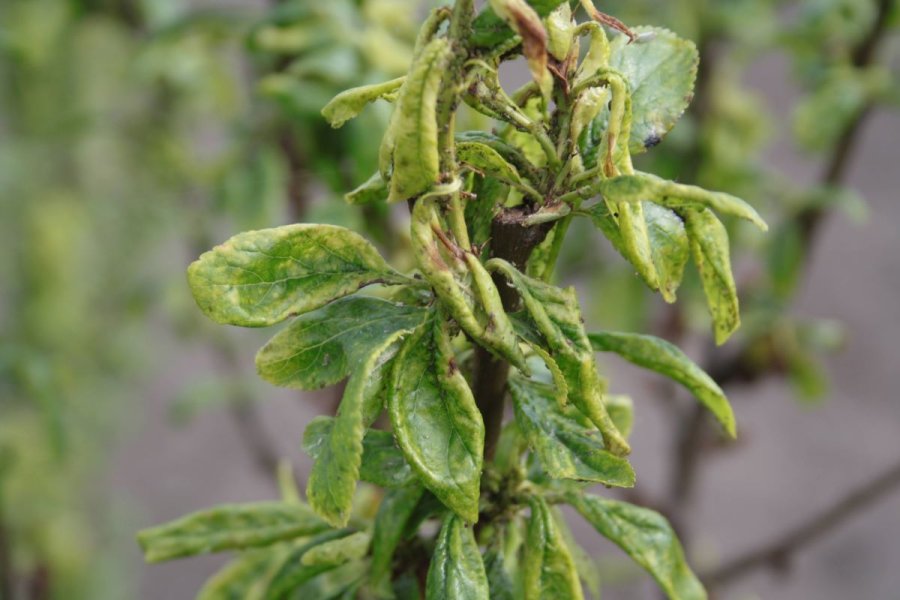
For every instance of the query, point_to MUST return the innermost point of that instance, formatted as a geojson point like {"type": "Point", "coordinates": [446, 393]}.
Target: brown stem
{"type": "Point", "coordinates": [513, 243]}
{"type": "Point", "coordinates": [6, 571]}
{"type": "Point", "coordinates": [778, 553]}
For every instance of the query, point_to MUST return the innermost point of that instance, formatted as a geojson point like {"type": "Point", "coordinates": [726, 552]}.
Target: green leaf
{"type": "Point", "coordinates": [244, 578]}
{"type": "Point", "coordinates": [560, 28]}
{"type": "Point", "coordinates": [660, 69]}
{"type": "Point", "coordinates": [259, 278]}
{"type": "Point", "coordinates": [501, 561]}
{"type": "Point", "coordinates": [486, 160]}
{"type": "Point", "coordinates": [669, 247]}
{"type": "Point", "coordinates": [292, 572]}
{"type": "Point", "coordinates": [489, 30]}
{"type": "Point", "coordinates": [393, 514]}
{"type": "Point", "coordinates": [337, 583]}
{"type": "Point", "coordinates": [435, 419]}
{"type": "Point", "coordinates": [229, 527]}
{"type": "Point", "coordinates": [659, 355]}
{"type": "Point", "coordinates": [339, 551]}
{"type": "Point", "coordinates": [371, 191]}
{"type": "Point", "coordinates": [709, 246]}
{"type": "Point", "coordinates": [566, 449]}
{"type": "Point", "coordinates": [350, 103]}
{"type": "Point", "coordinates": [416, 164]}
{"type": "Point", "coordinates": [585, 566]}
{"type": "Point", "coordinates": [332, 481]}
{"type": "Point", "coordinates": [621, 411]}
{"type": "Point", "coordinates": [318, 348]}
{"type": "Point", "coordinates": [382, 461]}
{"type": "Point", "coordinates": [556, 315]}
{"type": "Point", "coordinates": [548, 566]}
{"type": "Point", "coordinates": [647, 538]}
{"type": "Point", "coordinates": [638, 187]}
{"type": "Point", "coordinates": [456, 571]}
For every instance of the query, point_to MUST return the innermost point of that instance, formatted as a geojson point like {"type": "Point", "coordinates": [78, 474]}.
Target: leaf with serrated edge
{"type": "Point", "coordinates": [416, 164]}
{"type": "Point", "coordinates": [229, 527]}
{"type": "Point", "coordinates": [318, 348]}
{"type": "Point", "coordinates": [663, 357]}
{"type": "Point", "coordinates": [435, 419]}
{"type": "Point", "coordinates": [547, 565]}
{"type": "Point", "coordinates": [486, 160]}
{"type": "Point", "coordinates": [350, 103]}
{"type": "Point", "coordinates": [566, 449]}
{"type": "Point", "coordinates": [647, 538]}
{"type": "Point", "coordinates": [556, 315]}
{"type": "Point", "coordinates": [244, 578]}
{"type": "Point", "coordinates": [638, 187]}
{"type": "Point", "coordinates": [382, 461]}
{"type": "Point", "coordinates": [660, 69]}
{"type": "Point", "coordinates": [292, 573]}
{"type": "Point", "coordinates": [259, 278]}
{"type": "Point", "coordinates": [709, 247]}
{"type": "Point", "coordinates": [332, 481]}
{"type": "Point", "coordinates": [393, 514]}
{"type": "Point", "coordinates": [339, 551]}
{"type": "Point", "coordinates": [456, 571]}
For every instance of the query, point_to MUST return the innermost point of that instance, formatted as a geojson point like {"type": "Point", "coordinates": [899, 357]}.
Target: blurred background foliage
{"type": "Point", "coordinates": [137, 133]}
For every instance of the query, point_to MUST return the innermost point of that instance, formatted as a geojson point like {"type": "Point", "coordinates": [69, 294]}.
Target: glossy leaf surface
{"type": "Point", "coordinates": [456, 571]}
{"type": "Point", "coordinates": [647, 538]}
{"type": "Point", "coordinates": [435, 419]}
{"type": "Point", "coordinates": [567, 449]}
{"type": "Point", "coordinates": [320, 347]}
{"type": "Point", "coordinates": [663, 357]}
{"type": "Point", "coordinates": [259, 278]}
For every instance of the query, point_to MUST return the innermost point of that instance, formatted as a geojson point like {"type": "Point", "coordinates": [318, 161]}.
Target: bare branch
{"type": "Point", "coordinates": [778, 553]}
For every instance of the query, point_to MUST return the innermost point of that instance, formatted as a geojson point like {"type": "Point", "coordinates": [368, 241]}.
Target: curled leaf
{"type": "Point", "coordinates": [350, 103]}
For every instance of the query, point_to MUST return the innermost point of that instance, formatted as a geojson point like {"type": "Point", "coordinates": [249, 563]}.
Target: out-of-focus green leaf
{"type": "Point", "coordinates": [647, 538]}
{"type": "Point", "coordinates": [292, 572]}
{"type": "Point", "coordinates": [337, 552]}
{"type": "Point", "coordinates": [456, 571]}
{"type": "Point", "coordinates": [320, 348]}
{"type": "Point", "coordinates": [547, 566]}
{"type": "Point", "coordinates": [395, 510]}
{"type": "Point", "coordinates": [435, 419]}
{"type": "Point", "coordinates": [660, 69]}
{"type": "Point", "coordinates": [244, 578]}
{"type": "Point", "coordinates": [229, 527]}
{"type": "Point", "coordinates": [709, 246]}
{"type": "Point", "coordinates": [567, 449]}
{"type": "Point", "coordinates": [663, 357]}
{"type": "Point", "coordinates": [371, 191]}
{"type": "Point", "coordinates": [502, 564]}
{"type": "Point", "coordinates": [621, 411]}
{"type": "Point", "coordinates": [259, 278]}
{"type": "Point", "coordinates": [350, 103]}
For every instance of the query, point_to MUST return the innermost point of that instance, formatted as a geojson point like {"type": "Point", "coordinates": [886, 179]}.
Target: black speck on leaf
{"type": "Point", "coordinates": [652, 140]}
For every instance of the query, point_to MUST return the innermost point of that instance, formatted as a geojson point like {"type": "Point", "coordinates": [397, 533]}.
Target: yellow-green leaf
{"type": "Point", "coordinates": [663, 357]}
{"type": "Point", "coordinates": [456, 571]}
{"type": "Point", "coordinates": [566, 449]}
{"type": "Point", "coordinates": [229, 527]}
{"type": "Point", "coordinates": [259, 278]}
{"type": "Point", "coordinates": [320, 348]}
{"type": "Point", "coordinates": [647, 538]}
{"type": "Point", "coordinates": [350, 103]}
{"type": "Point", "coordinates": [547, 566]}
{"type": "Point", "coordinates": [709, 247]}
{"type": "Point", "coordinates": [435, 419]}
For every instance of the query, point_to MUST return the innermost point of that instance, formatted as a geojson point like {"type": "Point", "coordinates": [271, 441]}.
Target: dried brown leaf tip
{"type": "Point", "coordinates": [608, 20]}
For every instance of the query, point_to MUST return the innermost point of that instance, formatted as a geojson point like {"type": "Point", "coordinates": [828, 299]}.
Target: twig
{"type": "Point", "coordinates": [778, 553]}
